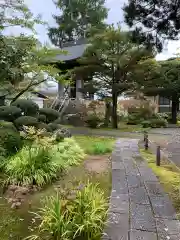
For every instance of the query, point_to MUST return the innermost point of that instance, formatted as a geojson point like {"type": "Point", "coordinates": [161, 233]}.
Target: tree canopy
{"type": "Point", "coordinates": [76, 19]}
{"type": "Point", "coordinates": [153, 20]}
{"type": "Point", "coordinates": [111, 58]}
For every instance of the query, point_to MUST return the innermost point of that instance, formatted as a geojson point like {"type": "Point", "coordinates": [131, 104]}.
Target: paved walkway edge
{"type": "Point", "coordinates": [139, 208]}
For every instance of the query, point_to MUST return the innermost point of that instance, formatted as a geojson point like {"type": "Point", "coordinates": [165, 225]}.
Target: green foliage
{"type": "Point", "coordinates": [10, 140]}
{"type": "Point", "coordinates": [9, 113]}
{"type": "Point", "coordinates": [7, 125]}
{"type": "Point", "coordinates": [92, 121]}
{"type": "Point", "coordinates": [41, 162]}
{"type": "Point", "coordinates": [31, 166]}
{"type": "Point", "coordinates": [155, 123]}
{"type": "Point", "coordinates": [80, 218]}
{"type": "Point", "coordinates": [73, 23]}
{"type": "Point", "coordinates": [161, 17]}
{"type": "Point", "coordinates": [41, 118]}
{"type": "Point", "coordinates": [95, 145]}
{"type": "Point", "coordinates": [28, 107]}
{"type": "Point", "coordinates": [54, 126]}
{"type": "Point", "coordinates": [25, 121]}
{"type": "Point", "coordinates": [51, 114]}
{"type": "Point", "coordinates": [42, 125]}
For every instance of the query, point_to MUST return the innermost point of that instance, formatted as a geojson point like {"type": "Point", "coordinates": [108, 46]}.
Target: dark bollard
{"type": "Point", "coordinates": [158, 156]}
{"type": "Point", "coordinates": [145, 135]}
{"type": "Point", "coordinates": [146, 142]}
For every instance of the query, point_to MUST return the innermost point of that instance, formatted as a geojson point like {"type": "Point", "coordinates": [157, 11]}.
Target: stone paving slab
{"type": "Point", "coordinates": [139, 208]}
{"type": "Point", "coordinates": [141, 235]}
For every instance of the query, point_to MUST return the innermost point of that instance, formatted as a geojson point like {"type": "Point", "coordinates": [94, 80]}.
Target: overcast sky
{"type": "Point", "coordinates": [47, 8]}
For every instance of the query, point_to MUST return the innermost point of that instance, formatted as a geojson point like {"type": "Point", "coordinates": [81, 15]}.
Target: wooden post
{"type": "Point", "coordinates": [158, 156]}
{"type": "Point", "coordinates": [146, 142]}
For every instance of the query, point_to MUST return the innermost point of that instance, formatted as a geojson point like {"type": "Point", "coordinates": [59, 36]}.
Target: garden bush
{"type": "Point", "coordinates": [25, 121]}
{"type": "Point", "coordinates": [41, 118]}
{"type": "Point", "coordinates": [42, 125]}
{"type": "Point", "coordinates": [93, 121]}
{"type": "Point", "coordinates": [156, 123]}
{"type": "Point", "coordinates": [82, 217]}
{"type": "Point", "coordinates": [31, 165]}
{"type": "Point", "coordinates": [9, 113]}
{"type": "Point", "coordinates": [39, 163]}
{"type": "Point", "coordinates": [51, 114]}
{"type": "Point", "coordinates": [61, 134]}
{"type": "Point", "coordinates": [54, 126]}
{"type": "Point", "coordinates": [7, 125]}
{"type": "Point", "coordinates": [10, 140]}
{"type": "Point", "coordinates": [28, 107]}
{"type": "Point", "coordinates": [67, 153]}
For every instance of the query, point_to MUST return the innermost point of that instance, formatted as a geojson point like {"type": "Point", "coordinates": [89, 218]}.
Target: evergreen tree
{"type": "Point", "coordinates": [77, 19]}
{"type": "Point", "coordinates": [153, 20]}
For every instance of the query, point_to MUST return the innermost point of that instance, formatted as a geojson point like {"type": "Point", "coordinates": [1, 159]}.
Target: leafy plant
{"type": "Point", "coordinates": [10, 140]}
{"type": "Point", "coordinates": [51, 114]}
{"type": "Point", "coordinates": [93, 121]}
{"type": "Point", "coordinates": [100, 148]}
{"type": "Point", "coordinates": [7, 125]}
{"type": "Point", "coordinates": [28, 107]}
{"type": "Point", "coordinates": [79, 218]}
{"type": "Point", "coordinates": [25, 121]}
{"type": "Point", "coordinates": [40, 163]}
{"type": "Point", "coordinates": [9, 113]}
{"type": "Point", "coordinates": [31, 165]}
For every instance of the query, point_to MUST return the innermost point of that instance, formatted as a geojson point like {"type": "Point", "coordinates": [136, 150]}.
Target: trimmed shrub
{"type": "Point", "coordinates": [51, 114]}
{"type": "Point", "coordinates": [28, 107]}
{"type": "Point", "coordinates": [25, 121]}
{"type": "Point", "coordinates": [93, 121]}
{"type": "Point", "coordinates": [146, 123]}
{"type": "Point", "coordinates": [156, 123]}
{"type": "Point", "coordinates": [42, 118]}
{"type": "Point", "coordinates": [7, 125]}
{"type": "Point", "coordinates": [42, 125]}
{"type": "Point", "coordinates": [10, 140]}
{"type": "Point", "coordinates": [58, 121]}
{"type": "Point", "coordinates": [62, 133]}
{"type": "Point", "coordinates": [54, 126]}
{"type": "Point", "coordinates": [82, 217]}
{"type": "Point", "coordinates": [9, 113]}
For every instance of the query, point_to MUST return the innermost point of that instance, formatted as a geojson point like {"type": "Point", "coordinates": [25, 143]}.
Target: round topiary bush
{"type": "Point", "coordinates": [7, 125]}
{"type": "Point", "coordinates": [9, 113]}
{"type": "Point", "coordinates": [28, 107]}
{"type": "Point", "coordinates": [51, 114]}
{"type": "Point", "coordinates": [45, 126]}
{"type": "Point", "coordinates": [41, 118]}
{"type": "Point", "coordinates": [10, 140]}
{"type": "Point", "coordinates": [54, 126]}
{"type": "Point", "coordinates": [25, 121]}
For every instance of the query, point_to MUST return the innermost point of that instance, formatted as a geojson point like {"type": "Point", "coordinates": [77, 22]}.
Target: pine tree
{"type": "Point", "coordinates": [77, 19]}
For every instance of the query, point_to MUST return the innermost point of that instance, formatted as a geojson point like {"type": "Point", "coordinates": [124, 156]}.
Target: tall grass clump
{"type": "Point", "coordinates": [41, 163]}
{"type": "Point", "coordinates": [31, 165]}
{"type": "Point", "coordinates": [81, 218]}
{"type": "Point", "coordinates": [67, 153]}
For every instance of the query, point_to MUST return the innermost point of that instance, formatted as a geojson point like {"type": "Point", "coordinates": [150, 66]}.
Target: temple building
{"type": "Point", "coordinates": [74, 50]}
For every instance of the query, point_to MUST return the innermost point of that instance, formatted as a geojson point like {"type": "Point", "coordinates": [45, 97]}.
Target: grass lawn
{"type": "Point", "coordinates": [168, 175]}
{"type": "Point", "coordinates": [17, 224]}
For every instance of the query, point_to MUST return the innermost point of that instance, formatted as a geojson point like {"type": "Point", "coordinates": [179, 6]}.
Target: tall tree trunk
{"type": "Point", "coordinates": [107, 114]}
{"type": "Point", "coordinates": [114, 110]}
{"type": "Point", "coordinates": [175, 103]}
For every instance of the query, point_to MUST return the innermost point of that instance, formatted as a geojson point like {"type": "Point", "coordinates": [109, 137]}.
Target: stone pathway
{"type": "Point", "coordinates": [139, 209]}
